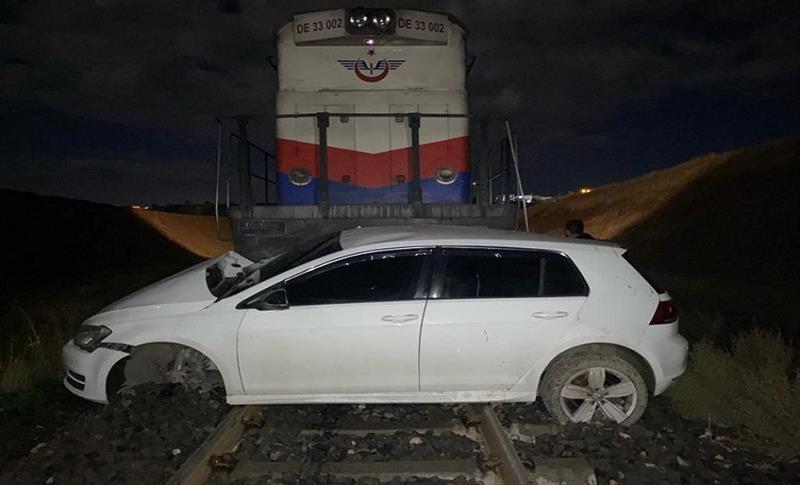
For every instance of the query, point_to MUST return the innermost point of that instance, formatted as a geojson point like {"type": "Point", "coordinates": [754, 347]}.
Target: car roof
{"type": "Point", "coordinates": [409, 235]}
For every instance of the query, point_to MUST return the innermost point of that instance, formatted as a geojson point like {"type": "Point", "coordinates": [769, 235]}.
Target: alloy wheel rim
{"type": "Point", "coordinates": [598, 392]}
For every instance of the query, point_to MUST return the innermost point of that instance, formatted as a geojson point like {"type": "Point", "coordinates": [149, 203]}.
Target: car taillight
{"type": "Point", "coordinates": [665, 313]}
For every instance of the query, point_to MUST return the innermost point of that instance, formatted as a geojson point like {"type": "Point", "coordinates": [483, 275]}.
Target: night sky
{"type": "Point", "coordinates": [115, 101]}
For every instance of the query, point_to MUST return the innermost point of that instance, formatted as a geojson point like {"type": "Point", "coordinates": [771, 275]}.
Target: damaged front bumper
{"type": "Point", "coordinates": [87, 372]}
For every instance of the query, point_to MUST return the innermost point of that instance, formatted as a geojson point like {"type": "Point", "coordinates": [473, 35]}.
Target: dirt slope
{"type": "Point", "coordinates": [722, 228]}
{"type": "Point", "coordinates": [197, 234]}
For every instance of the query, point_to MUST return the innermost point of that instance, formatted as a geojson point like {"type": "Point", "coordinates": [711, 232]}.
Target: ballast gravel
{"type": "Point", "coordinates": [662, 448]}
{"type": "Point", "coordinates": [142, 439]}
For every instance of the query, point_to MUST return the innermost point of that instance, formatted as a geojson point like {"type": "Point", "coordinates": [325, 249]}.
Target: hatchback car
{"type": "Point", "coordinates": [398, 314]}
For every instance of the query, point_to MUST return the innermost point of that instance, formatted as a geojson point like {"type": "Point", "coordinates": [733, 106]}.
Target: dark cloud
{"type": "Point", "coordinates": [205, 65]}
{"type": "Point", "coordinates": [11, 60]}
{"type": "Point", "coordinates": [565, 72]}
{"type": "Point", "coordinates": [230, 6]}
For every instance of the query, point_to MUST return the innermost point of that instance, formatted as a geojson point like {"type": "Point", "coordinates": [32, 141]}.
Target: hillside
{"type": "Point", "coordinates": [195, 233]}
{"type": "Point", "coordinates": [720, 230]}
{"type": "Point", "coordinates": [65, 260]}
{"type": "Point", "coordinates": [59, 243]}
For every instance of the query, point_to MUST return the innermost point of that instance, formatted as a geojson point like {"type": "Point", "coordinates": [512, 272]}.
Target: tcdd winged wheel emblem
{"type": "Point", "coordinates": [371, 69]}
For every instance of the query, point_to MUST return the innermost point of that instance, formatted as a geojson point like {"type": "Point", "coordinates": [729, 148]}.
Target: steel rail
{"type": "Point", "coordinates": [484, 427]}
{"type": "Point", "coordinates": [499, 444]}
{"type": "Point", "coordinates": [196, 470]}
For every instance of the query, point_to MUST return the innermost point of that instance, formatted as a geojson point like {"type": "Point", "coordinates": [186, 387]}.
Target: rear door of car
{"type": "Point", "coordinates": [492, 313]}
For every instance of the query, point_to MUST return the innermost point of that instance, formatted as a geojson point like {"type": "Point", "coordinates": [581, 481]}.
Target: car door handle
{"type": "Point", "coordinates": [549, 315]}
{"type": "Point", "coordinates": [400, 318]}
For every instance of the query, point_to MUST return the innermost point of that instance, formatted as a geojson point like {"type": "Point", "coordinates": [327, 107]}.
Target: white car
{"type": "Point", "coordinates": [398, 314]}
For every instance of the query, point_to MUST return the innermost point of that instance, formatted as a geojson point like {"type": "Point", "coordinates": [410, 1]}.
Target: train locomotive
{"type": "Point", "coordinates": [372, 127]}
{"type": "Point", "coordinates": [360, 65]}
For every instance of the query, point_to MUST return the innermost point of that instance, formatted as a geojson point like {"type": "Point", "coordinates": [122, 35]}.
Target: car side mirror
{"type": "Point", "coordinates": [277, 299]}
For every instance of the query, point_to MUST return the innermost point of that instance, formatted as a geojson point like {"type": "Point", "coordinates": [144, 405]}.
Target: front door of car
{"type": "Point", "coordinates": [350, 327]}
{"type": "Point", "coordinates": [492, 314]}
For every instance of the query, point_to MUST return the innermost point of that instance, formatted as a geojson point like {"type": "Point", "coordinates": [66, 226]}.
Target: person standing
{"type": "Point", "coordinates": [574, 229]}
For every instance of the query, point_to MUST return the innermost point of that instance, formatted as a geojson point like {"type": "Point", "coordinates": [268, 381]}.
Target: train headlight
{"type": "Point", "coordinates": [446, 175]}
{"type": "Point", "coordinates": [358, 18]}
{"type": "Point", "coordinates": [370, 21]}
{"type": "Point", "coordinates": [382, 20]}
{"type": "Point", "coordinates": [299, 177]}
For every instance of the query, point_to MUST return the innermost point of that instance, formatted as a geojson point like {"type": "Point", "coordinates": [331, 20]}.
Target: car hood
{"type": "Point", "coordinates": [180, 293]}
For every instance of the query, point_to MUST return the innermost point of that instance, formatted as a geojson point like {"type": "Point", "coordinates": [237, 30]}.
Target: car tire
{"type": "Point", "coordinates": [594, 387]}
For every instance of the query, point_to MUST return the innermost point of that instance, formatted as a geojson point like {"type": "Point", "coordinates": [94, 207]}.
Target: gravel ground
{"type": "Point", "coordinates": [26, 422]}
{"type": "Point", "coordinates": [332, 415]}
{"type": "Point", "coordinates": [303, 480]}
{"type": "Point", "coordinates": [141, 440]}
{"type": "Point", "coordinates": [282, 439]}
{"type": "Point", "coordinates": [275, 445]}
{"type": "Point", "coordinates": [662, 448]}
{"type": "Point", "coordinates": [146, 437]}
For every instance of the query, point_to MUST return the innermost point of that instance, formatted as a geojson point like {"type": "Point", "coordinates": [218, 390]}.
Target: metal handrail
{"type": "Point", "coordinates": [262, 150]}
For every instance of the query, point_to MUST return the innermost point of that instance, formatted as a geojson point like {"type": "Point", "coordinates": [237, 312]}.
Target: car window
{"type": "Point", "coordinates": [645, 274]}
{"type": "Point", "coordinates": [479, 273]}
{"type": "Point", "coordinates": [384, 276]}
{"type": "Point", "coordinates": [561, 277]}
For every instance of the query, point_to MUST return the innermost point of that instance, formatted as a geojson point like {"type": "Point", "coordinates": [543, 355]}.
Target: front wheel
{"type": "Point", "coordinates": [594, 387]}
{"type": "Point", "coordinates": [193, 370]}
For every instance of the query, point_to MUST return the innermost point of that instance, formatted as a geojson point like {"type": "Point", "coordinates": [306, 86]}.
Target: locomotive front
{"type": "Point", "coordinates": [371, 108]}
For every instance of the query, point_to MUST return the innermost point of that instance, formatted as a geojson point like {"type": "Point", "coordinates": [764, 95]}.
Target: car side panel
{"type": "Point", "coordinates": [330, 349]}
{"type": "Point", "coordinates": [617, 311]}
{"type": "Point", "coordinates": [488, 344]}
{"type": "Point", "coordinates": [669, 350]}
{"type": "Point", "coordinates": [211, 331]}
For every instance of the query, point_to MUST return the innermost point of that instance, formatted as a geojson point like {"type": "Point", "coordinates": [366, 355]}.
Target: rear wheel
{"type": "Point", "coordinates": [594, 387]}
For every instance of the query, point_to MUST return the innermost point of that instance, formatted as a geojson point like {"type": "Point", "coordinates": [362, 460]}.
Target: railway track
{"type": "Point", "coordinates": [369, 443]}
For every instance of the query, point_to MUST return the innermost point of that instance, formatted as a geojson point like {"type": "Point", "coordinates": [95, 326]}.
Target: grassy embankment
{"type": "Point", "coordinates": [68, 259]}
{"type": "Point", "coordinates": [720, 233]}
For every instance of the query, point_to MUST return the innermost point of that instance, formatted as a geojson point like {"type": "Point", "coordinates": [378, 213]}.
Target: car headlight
{"type": "Point", "coordinates": [89, 337]}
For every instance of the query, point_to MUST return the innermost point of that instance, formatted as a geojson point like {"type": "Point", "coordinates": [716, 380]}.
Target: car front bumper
{"type": "Point", "coordinates": [87, 372]}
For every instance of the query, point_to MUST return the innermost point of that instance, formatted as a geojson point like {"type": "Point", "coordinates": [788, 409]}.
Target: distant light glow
{"type": "Point", "coordinates": [585, 190]}
{"type": "Point", "coordinates": [370, 41]}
